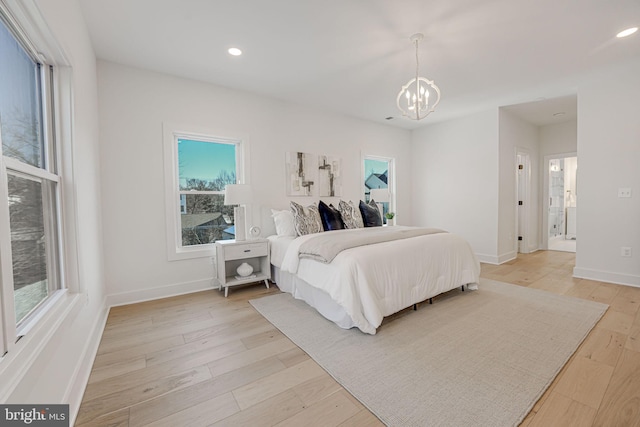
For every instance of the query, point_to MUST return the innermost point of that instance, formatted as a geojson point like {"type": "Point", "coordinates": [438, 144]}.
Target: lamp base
{"type": "Point", "coordinates": [238, 213]}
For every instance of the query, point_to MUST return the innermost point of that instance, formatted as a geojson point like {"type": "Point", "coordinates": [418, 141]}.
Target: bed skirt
{"type": "Point", "coordinates": [316, 298]}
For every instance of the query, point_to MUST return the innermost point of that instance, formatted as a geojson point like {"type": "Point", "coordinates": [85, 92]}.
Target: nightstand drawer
{"type": "Point", "coordinates": [247, 250]}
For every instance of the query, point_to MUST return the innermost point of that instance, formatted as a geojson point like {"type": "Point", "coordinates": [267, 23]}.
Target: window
{"type": "Point", "coordinates": [200, 166]}
{"type": "Point", "coordinates": [29, 187]}
{"type": "Point", "coordinates": [378, 173]}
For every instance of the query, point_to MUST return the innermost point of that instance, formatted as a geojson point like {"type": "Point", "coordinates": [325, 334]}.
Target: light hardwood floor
{"type": "Point", "coordinates": [202, 359]}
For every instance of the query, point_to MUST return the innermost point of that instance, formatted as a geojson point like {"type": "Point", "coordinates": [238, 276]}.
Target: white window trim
{"type": "Point", "coordinates": [391, 176]}
{"type": "Point", "coordinates": [64, 305]}
{"type": "Point", "coordinates": [171, 132]}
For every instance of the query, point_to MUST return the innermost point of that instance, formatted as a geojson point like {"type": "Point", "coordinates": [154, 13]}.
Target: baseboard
{"type": "Point", "coordinates": [606, 276]}
{"type": "Point", "coordinates": [487, 259]}
{"type": "Point", "coordinates": [80, 379]}
{"type": "Point", "coordinates": [150, 294]}
{"type": "Point", "coordinates": [496, 260]}
{"type": "Point", "coordinates": [507, 257]}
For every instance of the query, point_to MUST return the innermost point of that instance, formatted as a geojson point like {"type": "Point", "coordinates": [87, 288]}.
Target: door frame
{"type": "Point", "coordinates": [522, 222]}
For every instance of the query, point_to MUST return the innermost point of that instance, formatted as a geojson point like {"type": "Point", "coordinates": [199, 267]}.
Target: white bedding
{"type": "Point", "coordinates": [374, 281]}
{"type": "Point", "coordinates": [278, 246]}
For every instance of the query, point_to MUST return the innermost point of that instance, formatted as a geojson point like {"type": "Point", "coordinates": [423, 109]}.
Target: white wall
{"type": "Point", "coordinates": [61, 367]}
{"type": "Point", "coordinates": [133, 105]}
{"type": "Point", "coordinates": [608, 159]}
{"type": "Point", "coordinates": [455, 179]}
{"type": "Point", "coordinates": [559, 138]}
{"type": "Point", "coordinates": [515, 133]}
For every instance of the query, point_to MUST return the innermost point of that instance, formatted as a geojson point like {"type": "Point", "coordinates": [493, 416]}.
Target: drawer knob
{"type": "Point", "coordinates": [247, 250]}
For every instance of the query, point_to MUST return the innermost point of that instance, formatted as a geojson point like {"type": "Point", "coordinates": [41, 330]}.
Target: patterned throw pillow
{"type": "Point", "coordinates": [370, 214]}
{"type": "Point", "coordinates": [306, 220]}
{"type": "Point", "coordinates": [351, 215]}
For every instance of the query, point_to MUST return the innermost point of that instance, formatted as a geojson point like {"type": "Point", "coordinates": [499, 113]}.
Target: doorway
{"type": "Point", "coordinates": [561, 195]}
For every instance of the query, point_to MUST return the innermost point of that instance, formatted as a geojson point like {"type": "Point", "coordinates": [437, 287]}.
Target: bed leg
{"type": "Point", "coordinates": [415, 307]}
{"type": "Point", "coordinates": [430, 300]}
{"type": "Point", "coordinates": [462, 287]}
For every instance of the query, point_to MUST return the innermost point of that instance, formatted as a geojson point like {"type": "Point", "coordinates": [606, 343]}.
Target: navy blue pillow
{"type": "Point", "coordinates": [330, 216]}
{"type": "Point", "coordinates": [370, 214]}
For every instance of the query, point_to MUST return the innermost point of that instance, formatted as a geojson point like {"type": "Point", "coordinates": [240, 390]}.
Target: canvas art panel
{"type": "Point", "coordinates": [329, 176]}
{"type": "Point", "coordinates": [302, 173]}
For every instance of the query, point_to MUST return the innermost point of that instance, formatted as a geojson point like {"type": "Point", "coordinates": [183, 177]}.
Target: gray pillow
{"type": "Point", "coordinates": [370, 214]}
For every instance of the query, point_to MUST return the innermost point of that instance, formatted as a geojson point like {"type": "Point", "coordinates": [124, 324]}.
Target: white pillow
{"type": "Point", "coordinates": [285, 225]}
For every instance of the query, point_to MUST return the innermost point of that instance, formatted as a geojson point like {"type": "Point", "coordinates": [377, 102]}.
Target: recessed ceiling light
{"type": "Point", "coordinates": [234, 51]}
{"type": "Point", "coordinates": [627, 32]}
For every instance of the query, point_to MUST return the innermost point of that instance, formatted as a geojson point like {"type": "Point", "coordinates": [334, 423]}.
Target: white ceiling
{"type": "Point", "coordinates": [352, 56]}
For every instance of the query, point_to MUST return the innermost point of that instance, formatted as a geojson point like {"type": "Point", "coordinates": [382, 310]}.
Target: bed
{"type": "Point", "coordinates": [358, 286]}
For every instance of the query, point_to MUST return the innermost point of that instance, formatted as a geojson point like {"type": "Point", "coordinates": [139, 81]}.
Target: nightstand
{"type": "Point", "coordinates": [229, 254]}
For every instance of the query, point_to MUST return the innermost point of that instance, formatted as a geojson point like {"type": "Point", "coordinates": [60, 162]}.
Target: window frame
{"type": "Point", "coordinates": [171, 133]}
{"type": "Point", "coordinates": [391, 179]}
{"type": "Point", "coordinates": [21, 344]}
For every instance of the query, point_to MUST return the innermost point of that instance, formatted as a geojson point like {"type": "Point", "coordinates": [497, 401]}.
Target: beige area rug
{"type": "Point", "coordinates": [478, 358]}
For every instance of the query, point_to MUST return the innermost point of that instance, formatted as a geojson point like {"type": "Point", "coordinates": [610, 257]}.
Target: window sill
{"type": "Point", "coordinates": [179, 254]}
{"type": "Point", "coordinates": [30, 347]}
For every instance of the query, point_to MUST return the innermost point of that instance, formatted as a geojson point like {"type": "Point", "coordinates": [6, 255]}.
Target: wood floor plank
{"type": "Point", "coordinates": [616, 321]}
{"type": "Point", "coordinates": [201, 415]}
{"type": "Point", "coordinates": [117, 368]}
{"type": "Point", "coordinates": [150, 373]}
{"type": "Point", "coordinates": [603, 345]}
{"type": "Point", "coordinates": [332, 411]}
{"type": "Point", "coordinates": [262, 338]}
{"type": "Point", "coordinates": [363, 418]}
{"type": "Point", "coordinates": [317, 389]}
{"type": "Point", "coordinates": [92, 409]}
{"type": "Point", "coordinates": [561, 411]}
{"type": "Point", "coordinates": [274, 384]}
{"type": "Point", "coordinates": [250, 356]}
{"type": "Point", "coordinates": [267, 413]}
{"type": "Point", "coordinates": [179, 400]}
{"type": "Point", "coordinates": [621, 403]}
{"type": "Point", "coordinates": [585, 381]}
{"type": "Point", "coordinates": [293, 356]}
{"type": "Point", "coordinates": [221, 348]}
{"type": "Point", "coordinates": [118, 418]}
{"type": "Point", "coordinates": [633, 340]}
{"type": "Point", "coordinates": [136, 351]}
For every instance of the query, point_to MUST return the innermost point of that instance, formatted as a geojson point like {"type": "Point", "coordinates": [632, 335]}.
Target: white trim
{"type": "Point", "coordinates": [24, 169]}
{"type": "Point", "coordinates": [150, 294]}
{"type": "Point", "coordinates": [171, 132]}
{"type": "Point", "coordinates": [80, 377]}
{"type": "Point", "coordinates": [606, 276]}
{"type": "Point", "coordinates": [391, 176]}
{"type": "Point", "coordinates": [526, 201]}
{"type": "Point", "coordinates": [31, 347]}
{"type": "Point", "coordinates": [36, 347]}
{"type": "Point", "coordinates": [496, 260]}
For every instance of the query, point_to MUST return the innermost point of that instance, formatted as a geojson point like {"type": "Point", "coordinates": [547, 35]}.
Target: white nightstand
{"type": "Point", "coordinates": [229, 254]}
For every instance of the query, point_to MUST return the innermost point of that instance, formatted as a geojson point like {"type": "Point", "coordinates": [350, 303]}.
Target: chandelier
{"type": "Point", "coordinates": [420, 96]}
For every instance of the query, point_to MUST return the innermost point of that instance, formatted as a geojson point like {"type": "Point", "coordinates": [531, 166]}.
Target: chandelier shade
{"type": "Point", "coordinates": [420, 95]}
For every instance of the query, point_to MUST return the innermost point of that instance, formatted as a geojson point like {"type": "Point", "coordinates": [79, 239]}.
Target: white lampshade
{"type": "Point", "coordinates": [237, 194]}
{"type": "Point", "coordinates": [380, 195]}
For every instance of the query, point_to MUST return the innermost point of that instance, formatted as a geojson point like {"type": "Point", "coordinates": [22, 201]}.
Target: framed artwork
{"type": "Point", "coordinates": [302, 171]}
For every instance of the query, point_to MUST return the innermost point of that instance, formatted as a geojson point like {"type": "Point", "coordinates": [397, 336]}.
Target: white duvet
{"type": "Point", "coordinates": [374, 281]}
